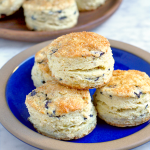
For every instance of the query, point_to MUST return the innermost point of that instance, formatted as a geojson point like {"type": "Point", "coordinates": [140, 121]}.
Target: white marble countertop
{"type": "Point", "coordinates": [130, 24]}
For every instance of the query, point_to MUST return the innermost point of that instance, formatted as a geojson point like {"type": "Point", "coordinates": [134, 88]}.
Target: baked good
{"type": "Point", "coordinates": [40, 71]}
{"type": "Point", "coordinates": [81, 60]}
{"type": "Point", "coordinates": [8, 7]}
{"type": "Point", "coordinates": [60, 112]}
{"type": "Point", "coordinates": [125, 100]}
{"type": "Point", "coordinates": [87, 5]}
{"type": "Point", "coordinates": [50, 15]}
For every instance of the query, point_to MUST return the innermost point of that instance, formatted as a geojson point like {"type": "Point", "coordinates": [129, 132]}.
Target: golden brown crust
{"type": "Point", "coordinates": [44, 67]}
{"type": "Point", "coordinates": [78, 44]}
{"type": "Point", "coordinates": [41, 55]}
{"type": "Point", "coordinates": [128, 83]}
{"type": "Point", "coordinates": [41, 60]}
{"type": "Point", "coordinates": [48, 5]}
{"type": "Point", "coordinates": [60, 99]}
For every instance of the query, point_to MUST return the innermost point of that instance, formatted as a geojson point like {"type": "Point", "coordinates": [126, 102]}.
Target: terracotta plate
{"type": "Point", "coordinates": [14, 28]}
{"type": "Point", "coordinates": [15, 79]}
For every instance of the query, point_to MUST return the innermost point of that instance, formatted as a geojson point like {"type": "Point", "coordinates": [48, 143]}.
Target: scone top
{"type": "Point", "coordinates": [131, 83]}
{"type": "Point", "coordinates": [79, 44]}
{"type": "Point", "coordinates": [53, 5]}
{"type": "Point", "coordinates": [41, 60]}
{"type": "Point", "coordinates": [40, 56]}
{"type": "Point", "coordinates": [56, 100]}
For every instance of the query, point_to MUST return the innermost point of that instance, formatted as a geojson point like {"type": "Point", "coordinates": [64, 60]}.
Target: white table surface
{"type": "Point", "coordinates": [130, 24]}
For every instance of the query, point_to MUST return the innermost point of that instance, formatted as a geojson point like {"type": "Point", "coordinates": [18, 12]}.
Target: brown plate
{"type": "Point", "coordinates": [13, 125]}
{"type": "Point", "coordinates": [14, 28]}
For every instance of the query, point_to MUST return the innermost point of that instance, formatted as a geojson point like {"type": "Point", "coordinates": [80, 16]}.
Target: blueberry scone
{"type": "Point", "coordinates": [40, 71]}
{"type": "Point", "coordinates": [81, 60]}
{"type": "Point", "coordinates": [87, 5]}
{"type": "Point", "coordinates": [125, 100]}
{"type": "Point", "coordinates": [60, 112]}
{"type": "Point", "coordinates": [51, 15]}
{"type": "Point", "coordinates": [8, 7]}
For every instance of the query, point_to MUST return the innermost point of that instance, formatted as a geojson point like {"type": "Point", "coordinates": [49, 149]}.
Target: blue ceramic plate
{"type": "Point", "coordinates": [19, 84]}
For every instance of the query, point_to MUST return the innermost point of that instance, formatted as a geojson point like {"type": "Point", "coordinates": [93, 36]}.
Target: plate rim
{"type": "Point", "coordinates": [8, 120]}
{"type": "Point", "coordinates": [39, 36]}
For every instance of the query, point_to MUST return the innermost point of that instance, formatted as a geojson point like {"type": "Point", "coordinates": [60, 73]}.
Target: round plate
{"type": "Point", "coordinates": [15, 78]}
{"type": "Point", "coordinates": [14, 28]}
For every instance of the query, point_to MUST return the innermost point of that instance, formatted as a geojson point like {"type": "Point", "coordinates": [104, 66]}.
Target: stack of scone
{"type": "Point", "coordinates": [49, 15]}
{"type": "Point", "coordinates": [64, 71]}
{"type": "Point", "coordinates": [43, 15]}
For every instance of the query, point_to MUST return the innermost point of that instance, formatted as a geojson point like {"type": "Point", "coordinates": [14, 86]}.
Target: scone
{"type": "Point", "coordinates": [125, 100]}
{"type": "Point", "coordinates": [60, 112]}
{"type": "Point", "coordinates": [81, 60]}
{"type": "Point", "coordinates": [86, 5]}
{"type": "Point", "coordinates": [50, 15]}
{"type": "Point", "coordinates": [40, 71]}
{"type": "Point", "coordinates": [8, 7]}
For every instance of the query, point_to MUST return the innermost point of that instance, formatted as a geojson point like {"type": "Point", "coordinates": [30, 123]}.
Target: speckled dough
{"type": "Point", "coordinates": [60, 112]}
{"type": "Point", "coordinates": [40, 71]}
{"type": "Point", "coordinates": [86, 5]}
{"type": "Point", "coordinates": [8, 7]}
{"type": "Point", "coordinates": [125, 100]}
{"type": "Point", "coordinates": [44, 15]}
{"type": "Point", "coordinates": [81, 60]}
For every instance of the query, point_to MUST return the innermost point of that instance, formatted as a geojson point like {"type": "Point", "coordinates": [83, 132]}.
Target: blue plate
{"type": "Point", "coordinates": [20, 84]}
